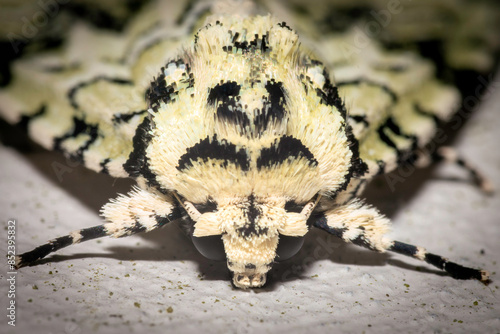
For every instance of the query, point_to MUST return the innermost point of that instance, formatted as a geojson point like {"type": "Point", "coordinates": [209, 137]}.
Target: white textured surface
{"type": "Point", "coordinates": [127, 285]}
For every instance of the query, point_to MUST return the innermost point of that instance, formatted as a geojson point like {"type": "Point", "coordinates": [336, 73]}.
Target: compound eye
{"type": "Point", "coordinates": [288, 247]}
{"type": "Point", "coordinates": [210, 247]}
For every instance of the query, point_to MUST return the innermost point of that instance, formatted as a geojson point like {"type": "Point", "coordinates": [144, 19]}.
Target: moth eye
{"type": "Point", "coordinates": [288, 247]}
{"type": "Point", "coordinates": [210, 247]}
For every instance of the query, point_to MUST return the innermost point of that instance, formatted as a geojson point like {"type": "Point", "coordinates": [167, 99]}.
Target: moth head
{"type": "Point", "coordinates": [251, 230]}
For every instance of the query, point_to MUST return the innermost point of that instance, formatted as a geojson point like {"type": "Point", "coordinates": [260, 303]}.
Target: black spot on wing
{"type": "Point", "coordinates": [386, 89]}
{"type": "Point", "coordinates": [104, 165]}
{"type": "Point", "coordinates": [359, 119]}
{"type": "Point", "coordinates": [214, 149]}
{"type": "Point", "coordinates": [284, 149]}
{"type": "Point", "coordinates": [403, 154]}
{"type": "Point", "coordinates": [79, 127]}
{"type": "Point", "coordinates": [126, 117]}
{"type": "Point", "coordinates": [137, 164]}
{"type": "Point", "coordinates": [74, 90]}
{"type": "Point", "coordinates": [26, 119]}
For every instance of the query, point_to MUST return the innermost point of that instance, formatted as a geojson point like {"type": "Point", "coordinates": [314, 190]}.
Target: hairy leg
{"type": "Point", "coordinates": [139, 211]}
{"type": "Point", "coordinates": [364, 226]}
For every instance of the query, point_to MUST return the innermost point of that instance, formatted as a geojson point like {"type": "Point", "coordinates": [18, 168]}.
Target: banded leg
{"type": "Point", "coordinates": [450, 155]}
{"type": "Point", "coordinates": [139, 211]}
{"type": "Point", "coordinates": [363, 225]}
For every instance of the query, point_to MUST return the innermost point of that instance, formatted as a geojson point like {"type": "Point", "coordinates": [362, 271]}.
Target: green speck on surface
{"type": "Point", "coordinates": [216, 301]}
{"type": "Point", "coordinates": [170, 309]}
{"type": "Point", "coordinates": [50, 272]}
{"type": "Point", "coordinates": [475, 303]}
{"type": "Point", "coordinates": [407, 285]}
{"type": "Point", "coordinates": [127, 275]}
{"type": "Point", "coordinates": [30, 300]}
{"type": "Point", "coordinates": [35, 287]}
{"type": "Point", "coordinates": [138, 305]}
{"type": "Point", "coordinates": [314, 276]}
{"type": "Point", "coordinates": [67, 298]}
{"type": "Point", "coordinates": [110, 293]}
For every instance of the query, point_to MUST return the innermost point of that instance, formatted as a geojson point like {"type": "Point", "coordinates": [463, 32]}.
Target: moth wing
{"type": "Point", "coordinates": [393, 100]}
{"type": "Point", "coordinates": [87, 97]}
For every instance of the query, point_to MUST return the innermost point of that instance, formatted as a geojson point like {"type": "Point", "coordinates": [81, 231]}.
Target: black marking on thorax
{"type": "Point", "coordinates": [252, 213]}
{"type": "Point", "coordinates": [226, 98]}
{"type": "Point", "coordinates": [213, 148]}
{"type": "Point", "coordinates": [160, 91]}
{"type": "Point", "coordinates": [285, 148]}
{"type": "Point", "coordinates": [329, 95]}
{"type": "Point", "coordinates": [273, 110]}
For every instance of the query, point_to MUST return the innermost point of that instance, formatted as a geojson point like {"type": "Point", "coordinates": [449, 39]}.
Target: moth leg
{"type": "Point", "coordinates": [364, 226]}
{"type": "Point", "coordinates": [450, 155]}
{"type": "Point", "coordinates": [138, 211]}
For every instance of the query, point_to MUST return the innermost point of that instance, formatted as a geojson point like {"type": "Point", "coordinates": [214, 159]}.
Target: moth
{"type": "Point", "coordinates": [232, 123]}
